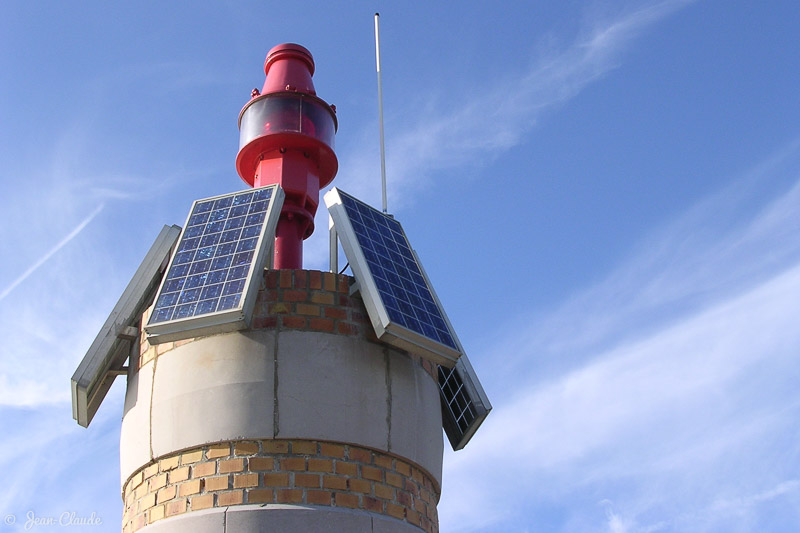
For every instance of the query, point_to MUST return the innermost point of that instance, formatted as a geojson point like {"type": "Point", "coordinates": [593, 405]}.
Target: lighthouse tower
{"type": "Point", "coordinates": [265, 397]}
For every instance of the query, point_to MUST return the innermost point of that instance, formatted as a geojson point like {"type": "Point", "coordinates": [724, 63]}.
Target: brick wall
{"type": "Point", "coordinates": [300, 300]}
{"type": "Point", "coordinates": [268, 471]}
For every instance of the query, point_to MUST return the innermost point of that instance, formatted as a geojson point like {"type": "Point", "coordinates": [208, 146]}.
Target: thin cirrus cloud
{"type": "Point", "coordinates": [416, 150]}
{"type": "Point", "coordinates": [679, 422]}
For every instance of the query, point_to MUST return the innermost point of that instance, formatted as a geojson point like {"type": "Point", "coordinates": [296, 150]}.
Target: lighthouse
{"type": "Point", "coordinates": [262, 396]}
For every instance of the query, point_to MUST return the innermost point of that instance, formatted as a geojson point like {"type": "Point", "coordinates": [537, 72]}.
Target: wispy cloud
{"type": "Point", "coordinates": [481, 125]}
{"type": "Point", "coordinates": [50, 253]}
{"type": "Point", "coordinates": [681, 413]}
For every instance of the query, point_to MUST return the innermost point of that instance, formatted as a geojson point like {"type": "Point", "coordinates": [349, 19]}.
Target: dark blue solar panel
{"type": "Point", "coordinates": [408, 299]}
{"type": "Point", "coordinates": [214, 256]}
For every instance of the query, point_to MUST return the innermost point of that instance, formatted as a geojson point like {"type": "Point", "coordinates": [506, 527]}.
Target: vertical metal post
{"type": "Point", "coordinates": [380, 108]}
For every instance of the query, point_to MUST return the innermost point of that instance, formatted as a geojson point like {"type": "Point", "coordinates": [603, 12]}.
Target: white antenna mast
{"type": "Point", "coordinates": [380, 108]}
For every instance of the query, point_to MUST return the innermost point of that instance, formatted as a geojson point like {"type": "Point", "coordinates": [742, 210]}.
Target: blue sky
{"type": "Point", "coordinates": [606, 197]}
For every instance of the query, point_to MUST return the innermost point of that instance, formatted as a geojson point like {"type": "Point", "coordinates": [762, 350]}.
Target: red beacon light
{"type": "Point", "coordinates": [286, 136]}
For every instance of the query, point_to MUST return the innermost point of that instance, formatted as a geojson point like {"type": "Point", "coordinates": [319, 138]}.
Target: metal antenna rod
{"type": "Point", "coordinates": [380, 109]}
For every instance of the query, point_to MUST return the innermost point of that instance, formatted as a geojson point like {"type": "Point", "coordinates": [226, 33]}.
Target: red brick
{"type": "Point", "coordinates": [260, 496]}
{"type": "Point", "coordinates": [285, 279]}
{"type": "Point", "coordinates": [300, 279]}
{"type": "Point", "coordinates": [346, 500]}
{"type": "Point", "coordinates": [293, 321]}
{"type": "Point", "coordinates": [262, 322]}
{"type": "Point", "coordinates": [272, 279]}
{"type": "Point", "coordinates": [404, 498]}
{"type": "Point", "coordinates": [307, 480]}
{"type": "Point", "coordinates": [361, 455]}
{"type": "Point", "coordinates": [417, 475]}
{"type": "Point", "coordinates": [371, 504]}
{"type": "Point", "coordinates": [344, 283]}
{"type": "Point", "coordinates": [413, 517]}
{"type": "Point", "coordinates": [294, 296]}
{"type": "Point", "coordinates": [335, 312]}
{"type": "Point", "coordinates": [346, 328]}
{"type": "Point", "coordinates": [290, 496]}
{"type": "Point", "coordinates": [315, 279]}
{"type": "Point", "coordinates": [319, 497]}
{"type": "Point", "coordinates": [322, 324]}
{"type": "Point", "coordinates": [329, 281]}
{"type": "Point", "coordinates": [412, 487]}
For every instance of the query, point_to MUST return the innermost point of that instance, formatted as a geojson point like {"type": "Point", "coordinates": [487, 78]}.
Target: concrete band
{"type": "Point", "coordinates": [287, 476]}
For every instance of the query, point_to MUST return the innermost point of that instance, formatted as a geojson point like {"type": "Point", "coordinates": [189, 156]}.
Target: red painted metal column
{"type": "Point", "coordinates": [286, 136]}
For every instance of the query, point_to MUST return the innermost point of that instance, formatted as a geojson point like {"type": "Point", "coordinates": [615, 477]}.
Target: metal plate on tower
{"type": "Point", "coordinates": [464, 402]}
{"type": "Point", "coordinates": [399, 298]}
{"type": "Point", "coordinates": [214, 274]}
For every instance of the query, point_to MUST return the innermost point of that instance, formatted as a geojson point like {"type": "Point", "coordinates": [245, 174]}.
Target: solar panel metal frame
{"type": "Point", "coordinates": [103, 361]}
{"type": "Point", "coordinates": [469, 387]}
{"type": "Point", "coordinates": [231, 319]}
{"type": "Point", "coordinates": [385, 329]}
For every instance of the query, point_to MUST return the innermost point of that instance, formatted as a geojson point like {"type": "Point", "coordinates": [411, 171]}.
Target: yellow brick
{"type": "Point", "coordinates": [216, 483]}
{"type": "Point", "coordinates": [158, 481]}
{"type": "Point", "coordinates": [204, 469]}
{"type": "Point", "coordinates": [231, 465]}
{"type": "Point", "coordinates": [191, 457]}
{"type": "Point", "coordinates": [230, 498]}
{"type": "Point", "coordinates": [181, 474]}
{"type": "Point", "coordinates": [147, 356]}
{"type": "Point", "coordinates": [170, 463]}
{"type": "Point", "coordinates": [245, 480]}
{"type": "Point", "coordinates": [260, 496]}
{"type": "Point", "coordinates": [150, 471]}
{"type": "Point", "coordinates": [205, 501]}
{"type": "Point", "coordinates": [304, 447]}
{"type": "Point", "coordinates": [245, 448]}
{"type": "Point", "coordinates": [275, 446]}
{"type": "Point", "coordinates": [176, 507]}
{"type": "Point", "coordinates": [164, 347]}
{"type": "Point", "coordinates": [218, 450]}
{"type": "Point", "coordinates": [156, 513]}
{"type": "Point", "coordinates": [167, 493]}
{"type": "Point", "coordinates": [135, 481]}
{"type": "Point", "coordinates": [308, 309]}
{"type": "Point", "coordinates": [147, 502]}
{"type": "Point", "coordinates": [325, 298]}
{"type": "Point", "coordinates": [190, 487]}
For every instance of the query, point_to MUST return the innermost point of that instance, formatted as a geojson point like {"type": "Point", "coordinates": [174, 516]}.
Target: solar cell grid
{"type": "Point", "coordinates": [403, 289]}
{"type": "Point", "coordinates": [215, 256]}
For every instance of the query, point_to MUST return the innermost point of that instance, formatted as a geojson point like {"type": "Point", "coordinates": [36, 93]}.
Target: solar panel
{"type": "Point", "coordinates": [399, 298]}
{"type": "Point", "coordinates": [464, 402]}
{"type": "Point", "coordinates": [105, 357]}
{"type": "Point", "coordinates": [209, 284]}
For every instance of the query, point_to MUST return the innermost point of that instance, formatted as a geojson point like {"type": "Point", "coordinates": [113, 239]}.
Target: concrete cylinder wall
{"type": "Point", "coordinates": [305, 422]}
